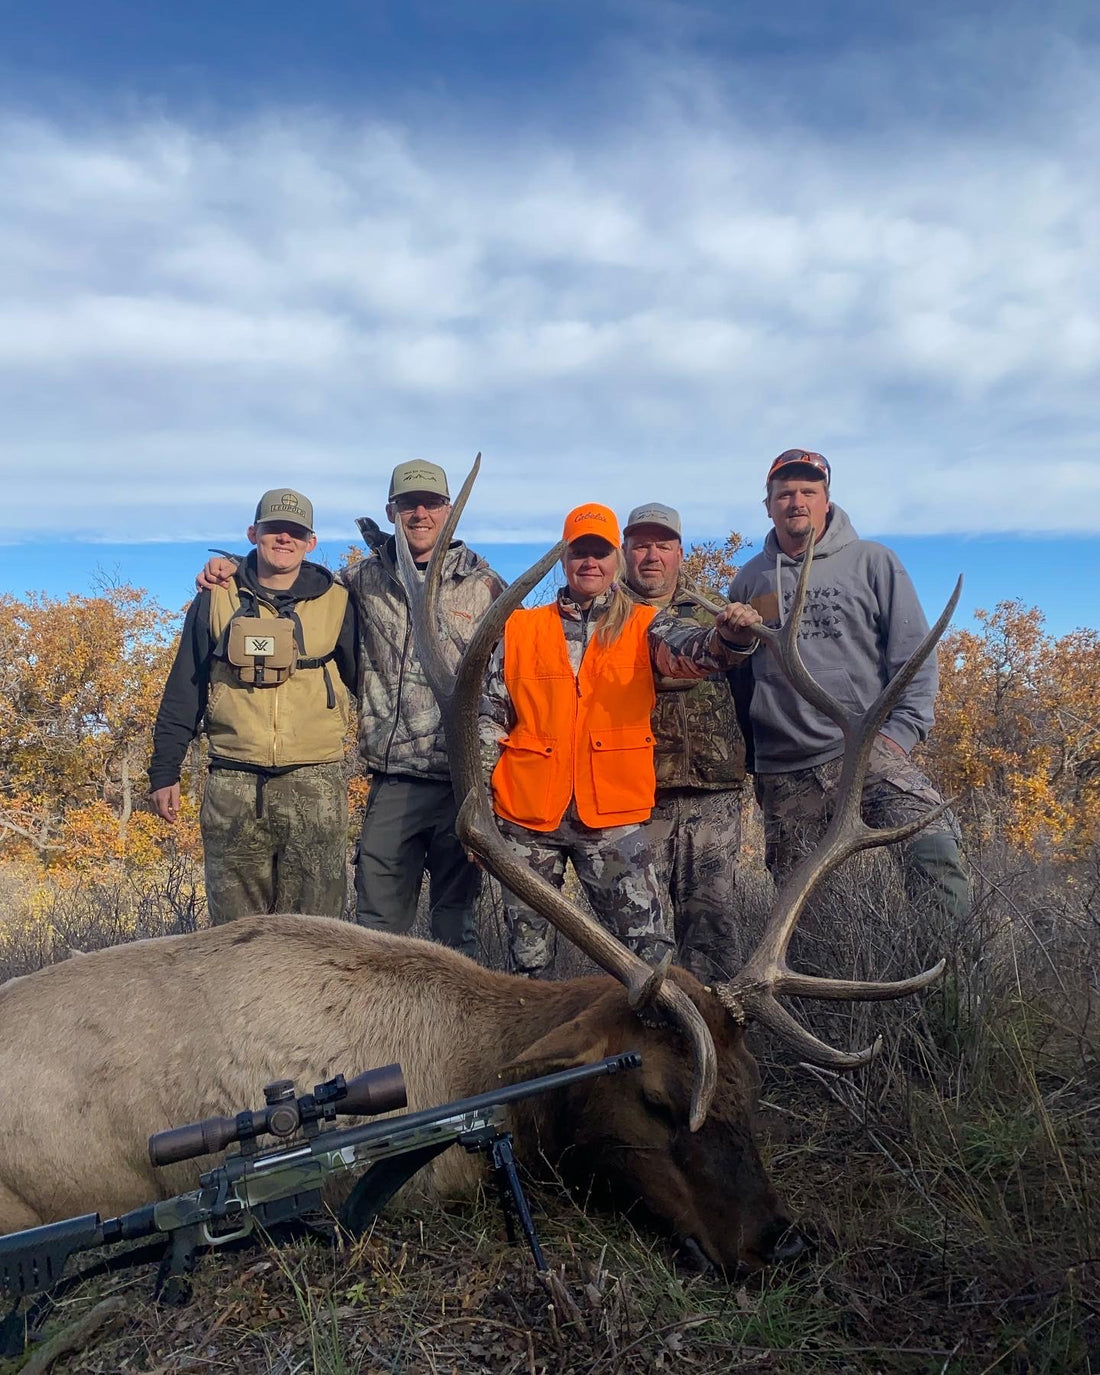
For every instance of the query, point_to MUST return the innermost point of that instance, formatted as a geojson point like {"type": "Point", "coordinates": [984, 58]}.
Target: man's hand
{"type": "Point", "coordinates": [216, 572]}
{"type": "Point", "coordinates": [166, 801]}
{"type": "Point", "coordinates": [733, 623]}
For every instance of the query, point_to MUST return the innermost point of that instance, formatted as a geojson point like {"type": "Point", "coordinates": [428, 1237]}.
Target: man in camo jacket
{"type": "Point", "coordinates": [695, 829]}
{"type": "Point", "coordinates": [408, 826]}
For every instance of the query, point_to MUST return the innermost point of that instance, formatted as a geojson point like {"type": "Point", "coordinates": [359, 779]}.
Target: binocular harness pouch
{"type": "Point", "coordinates": [262, 649]}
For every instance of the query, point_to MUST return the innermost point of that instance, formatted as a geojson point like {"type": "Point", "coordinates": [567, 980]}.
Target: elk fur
{"type": "Point", "coordinates": [98, 1053]}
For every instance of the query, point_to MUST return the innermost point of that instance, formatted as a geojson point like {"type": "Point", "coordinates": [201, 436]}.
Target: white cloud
{"type": "Point", "coordinates": [649, 311]}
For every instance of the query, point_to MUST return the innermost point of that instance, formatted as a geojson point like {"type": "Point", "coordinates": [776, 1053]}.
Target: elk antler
{"type": "Point", "coordinates": [752, 992]}
{"type": "Point", "coordinates": [458, 692]}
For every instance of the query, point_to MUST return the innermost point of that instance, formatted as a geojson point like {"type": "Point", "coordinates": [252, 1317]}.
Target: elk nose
{"type": "Point", "coordinates": [782, 1241]}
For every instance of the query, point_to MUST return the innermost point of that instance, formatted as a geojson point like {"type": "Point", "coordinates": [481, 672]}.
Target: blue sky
{"type": "Point", "coordinates": [629, 250]}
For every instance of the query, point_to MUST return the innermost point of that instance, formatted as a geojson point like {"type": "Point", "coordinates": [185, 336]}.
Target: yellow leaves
{"type": "Point", "coordinates": [80, 681]}
{"type": "Point", "coordinates": [1018, 731]}
{"type": "Point", "coordinates": [711, 564]}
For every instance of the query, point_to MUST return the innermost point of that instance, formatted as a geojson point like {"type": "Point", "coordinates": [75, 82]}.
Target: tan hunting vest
{"type": "Point", "coordinates": [303, 719]}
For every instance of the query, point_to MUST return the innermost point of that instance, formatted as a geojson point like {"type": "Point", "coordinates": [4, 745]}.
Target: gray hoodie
{"type": "Point", "coordinates": [860, 623]}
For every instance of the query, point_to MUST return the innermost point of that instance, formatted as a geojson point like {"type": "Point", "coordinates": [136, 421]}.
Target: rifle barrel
{"type": "Point", "coordinates": [508, 1093]}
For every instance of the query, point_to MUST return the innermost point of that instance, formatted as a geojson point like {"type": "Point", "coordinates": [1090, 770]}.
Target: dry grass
{"type": "Point", "coordinates": [951, 1192]}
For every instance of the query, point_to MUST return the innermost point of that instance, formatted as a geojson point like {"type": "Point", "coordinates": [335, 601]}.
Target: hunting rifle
{"type": "Point", "coordinates": [260, 1189]}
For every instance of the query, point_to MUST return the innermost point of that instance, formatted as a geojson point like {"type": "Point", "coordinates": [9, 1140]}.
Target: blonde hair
{"type": "Point", "coordinates": [619, 609]}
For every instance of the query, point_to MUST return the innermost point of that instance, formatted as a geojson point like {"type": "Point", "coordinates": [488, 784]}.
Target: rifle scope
{"type": "Point", "coordinates": [372, 1092]}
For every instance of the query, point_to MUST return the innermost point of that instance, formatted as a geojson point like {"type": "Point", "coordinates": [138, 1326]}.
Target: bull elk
{"type": "Point", "coordinates": [101, 1051]}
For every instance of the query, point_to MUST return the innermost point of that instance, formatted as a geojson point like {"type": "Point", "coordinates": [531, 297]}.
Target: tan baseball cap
{"type": "Point", "coordinates": [653, 513]}
{"type": "Point", "coordinates": [281, 503]}
{"type": "Point", "coordinates": [418, 475]}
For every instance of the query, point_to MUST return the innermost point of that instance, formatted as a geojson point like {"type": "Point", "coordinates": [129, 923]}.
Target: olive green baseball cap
{"type": "Point", "coordinates": [418, 475]}
{"type": "Point", "coordinates": [281, 503]}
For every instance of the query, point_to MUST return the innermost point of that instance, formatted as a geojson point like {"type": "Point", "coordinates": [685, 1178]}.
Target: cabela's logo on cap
{"type": "Point", "coordinates": [588, 515]}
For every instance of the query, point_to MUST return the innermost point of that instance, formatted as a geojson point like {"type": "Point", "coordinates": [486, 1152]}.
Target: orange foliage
{"type": "Point", "coordinates": [80, 681]}
{"type": "Point", "coordinates": [1018, 732]}
{"type": "Point", "coordinates": [711, 564]}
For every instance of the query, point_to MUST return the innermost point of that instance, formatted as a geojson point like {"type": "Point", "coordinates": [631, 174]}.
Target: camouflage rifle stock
{"type": "Point", "coordinates": [261, 1189]}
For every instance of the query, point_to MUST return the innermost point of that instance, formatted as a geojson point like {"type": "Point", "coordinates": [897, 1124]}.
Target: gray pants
{"type": "Point", "coordinates": [409, 827]}
{"type": "Point", "coordinates": [797, 807]}
{"type": "Point", "coordinates": [617, 869]}
{"type": "Point", "coordinates": [284, 852]}
{"type": "Point", "coordinates": [695, 837]}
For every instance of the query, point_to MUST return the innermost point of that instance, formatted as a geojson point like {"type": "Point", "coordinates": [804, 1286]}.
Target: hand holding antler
{"type": "Point", "coordinates": [735, 622]}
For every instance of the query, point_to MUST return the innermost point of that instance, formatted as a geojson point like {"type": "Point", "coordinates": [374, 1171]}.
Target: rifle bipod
{"type": "Point", "coordinates": [496, 1146]}
{"type": "Point", "coordinates": [383, 1180]}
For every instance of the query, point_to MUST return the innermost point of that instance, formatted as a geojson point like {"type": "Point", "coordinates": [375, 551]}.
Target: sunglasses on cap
{"type": "Point", "coordinates": [802, 458]}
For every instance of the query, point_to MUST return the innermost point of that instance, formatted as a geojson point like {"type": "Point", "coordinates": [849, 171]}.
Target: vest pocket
{"type": "Point", "coordinates": [523, 775]}
{"type": "Point", "coordinates": [622, 769]}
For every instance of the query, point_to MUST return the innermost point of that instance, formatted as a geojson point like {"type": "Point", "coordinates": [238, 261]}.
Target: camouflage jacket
{"type": "Point", "coordinates": [682, 650]}
{"type": "Point", "coordinates": [699, 743]}
{"type": "Point", "coordinates": [400, 730]}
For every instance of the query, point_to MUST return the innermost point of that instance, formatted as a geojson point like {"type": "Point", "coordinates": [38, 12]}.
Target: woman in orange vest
{"type": "Point", "coordinates": [565, 730]}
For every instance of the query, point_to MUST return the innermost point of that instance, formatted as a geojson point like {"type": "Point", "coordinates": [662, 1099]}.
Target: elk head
{"type": "Point", "coordinates": [679, 1143]}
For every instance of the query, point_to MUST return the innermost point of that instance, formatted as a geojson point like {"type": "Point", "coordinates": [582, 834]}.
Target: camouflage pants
{"type": "Point", "coordinates": [797, 807]}
{"type": "Point", "coordinates": [617, 869]}
{"type": "Point", "coordinates": [287, 857]}
{"type": "Point", "coordinates": [695, 837]}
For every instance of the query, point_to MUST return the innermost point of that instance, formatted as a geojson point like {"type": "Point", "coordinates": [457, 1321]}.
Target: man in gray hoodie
{"type": "Point", "coordinates": [860, 623]}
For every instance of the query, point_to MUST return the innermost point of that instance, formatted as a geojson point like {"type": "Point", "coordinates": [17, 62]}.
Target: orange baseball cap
{"type": "Point", "coordinates": [592, 519]}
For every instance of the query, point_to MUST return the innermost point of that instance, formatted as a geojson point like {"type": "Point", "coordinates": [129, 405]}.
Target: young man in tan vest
{"type": "Point", "coordinates": [264, 666]}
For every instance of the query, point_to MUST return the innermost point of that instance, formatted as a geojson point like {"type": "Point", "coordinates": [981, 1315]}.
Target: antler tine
{"type": "Point", "coordinates": [784, 643]}
{"type": "Point", "coordinates": [458, 696]}
{"type": "Point", "coordinates": [752, 991]}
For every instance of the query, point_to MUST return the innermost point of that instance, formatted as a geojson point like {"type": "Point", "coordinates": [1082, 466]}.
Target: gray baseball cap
{"type": "Point", "coordinates": [653, 513]}
{"type": "Point", "coordinates": [281, 503]}
{"type": "Point", "coordinates": [418, 475]}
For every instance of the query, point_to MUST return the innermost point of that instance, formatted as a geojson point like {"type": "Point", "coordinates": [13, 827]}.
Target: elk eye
{"type": "Point", "coordinates": [662, 1110]}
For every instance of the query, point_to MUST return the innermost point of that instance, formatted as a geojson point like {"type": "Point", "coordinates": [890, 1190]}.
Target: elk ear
{"type": "Point", "coordinates": [579, 1041]}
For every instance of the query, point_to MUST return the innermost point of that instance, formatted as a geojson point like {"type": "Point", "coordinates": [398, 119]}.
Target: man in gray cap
{"type": "Point", "coordinates": [861, 622]}
{"type": "Point", "coordinates": [265, 663]}
{"type": "Point", "coordinates": [408, 826]}
{"type": "Point", "coordinates": [695, 828]}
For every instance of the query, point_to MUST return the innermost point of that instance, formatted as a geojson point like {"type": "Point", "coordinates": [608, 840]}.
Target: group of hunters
{"type": "Point", "coordinates": [616, 723]}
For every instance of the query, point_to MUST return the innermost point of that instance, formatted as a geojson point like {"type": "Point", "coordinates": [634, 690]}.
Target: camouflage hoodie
{"type": "Point", "coordinates": [399, 727]}
{"type": "Point", "coordinates": [699, 743]}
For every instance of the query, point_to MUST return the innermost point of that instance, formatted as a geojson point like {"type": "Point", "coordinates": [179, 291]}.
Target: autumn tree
{"type": "Point", "coordinates": [1017, 733]}
{"type": "Point", "coordinates": [712, 564]}
{"type": "Point", "coordinates": [80, 680]}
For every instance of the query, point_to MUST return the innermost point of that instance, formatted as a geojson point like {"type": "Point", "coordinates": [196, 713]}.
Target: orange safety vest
{"type": "Point", "coordinates": [586, 736]}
